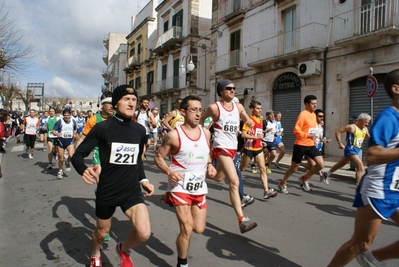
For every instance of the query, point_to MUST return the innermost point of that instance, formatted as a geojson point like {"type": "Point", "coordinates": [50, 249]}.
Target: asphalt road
{"type": "Point", "coordinates": [47, 222]}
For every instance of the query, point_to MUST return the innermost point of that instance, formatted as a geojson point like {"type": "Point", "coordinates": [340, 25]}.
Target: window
{"type": "Point", "coordinates": [131, 52]}
{"type": "Point", "coordinates": [372, 15]}
{"type": "Point", "coordinates": [176, 65]}
{"type": "Point", "coordinates": [289, 28]}
{"type": "Point", "coordinates": [150, 81]}
{"type": "Point", "coordinates": [177, 19]}
{"type": "Point", "coordinates": [235, 46]}
{"type": "Point", "coordinates": [164, 71]}
{"type": "Point", "coordinates": [138, 52]}
{"type": "Point", "coordinates": [165, 26]}
{"type": "Point", "coordinates": [137, 83]}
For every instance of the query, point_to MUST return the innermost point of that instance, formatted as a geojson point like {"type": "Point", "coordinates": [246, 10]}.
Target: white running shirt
{"type": "Point", "coordinates": [226, 127]}
{"type": "Point", "coordinates": [192, 161]}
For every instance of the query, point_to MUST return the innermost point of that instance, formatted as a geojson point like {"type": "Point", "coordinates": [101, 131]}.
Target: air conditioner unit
{"type": "Point", "coordinates": [309, 68]}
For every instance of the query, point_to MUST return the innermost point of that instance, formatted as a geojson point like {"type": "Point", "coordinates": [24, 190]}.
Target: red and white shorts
{"type": "Point", "coordinates": [216, 152]}
{"type": "Point", "coordinates": [179, 199]}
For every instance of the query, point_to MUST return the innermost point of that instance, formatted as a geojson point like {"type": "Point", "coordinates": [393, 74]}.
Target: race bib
{"type": "Point", "coordinates": [313, 131]}
{"type": "Point", "coordinates": [359, 142]}
{"type": "Point", "coordinates": [258, 132]}
{"type": "Point", "coordinates": [395, 180]}
{"type": "Point", "coordinates": [67, 134]}
{"type": "Point", "coordinates": [230, 127]}
{"type": "Point", "coordinates": [193, 182]}
{"type": "Point", "coordinates": [124, 154]}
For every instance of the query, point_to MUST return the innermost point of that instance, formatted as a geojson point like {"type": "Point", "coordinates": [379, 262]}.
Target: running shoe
{"type": "Point", "coordinates": [283, 189]}
{"type": "Point", "coordinates": [326, 177]}
{"type": "Point", "coordinates": [60, 174]}
{"type": "Point", "coordinates": [67, 167]}
{"type": "Point", "coordinates": [270, 193]}
{"type": "Point", "coordinates": [247, 200]}
{"type": "Point", "coordinates": [50, 166]}
{"type": "Point", "coordinates": [277, 166]}
{"type": "Point", "coordinates": [268, 171]}
{"type": "Point", "coordinates": [254, 170]}
{"type": "Point", "coordinates": [144, 158]}
{"type": "Point", "coordinates": [365, 259]}
{"type": "Point", "coordinates": [304, 184]}
{"type": "Point", "coordinates": [247, 225]}
{"type": "Point", "coordinates": [30, 156]}
{"type": "Point", "coordinates": [96, 262]}
{"type": "Point", "coordinates": [124, 257]}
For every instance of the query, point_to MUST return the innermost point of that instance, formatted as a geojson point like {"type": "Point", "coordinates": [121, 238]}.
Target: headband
{"type": "Point", "coordinates": [107, 99]}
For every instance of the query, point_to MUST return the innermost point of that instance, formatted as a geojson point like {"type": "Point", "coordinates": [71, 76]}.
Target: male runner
{"type": "Point", "coordinates": [174, 118]}
{"type": "Point", "coordinates": [51, 138]}
{"type": "Point", "coordinates": [278, 142]}
{"type": "Point", "coordinates": [42, 129]}
{"type": "Point", "coordinates": [144, 117]}
{"type": "Point", "coordinates": [30, 126]}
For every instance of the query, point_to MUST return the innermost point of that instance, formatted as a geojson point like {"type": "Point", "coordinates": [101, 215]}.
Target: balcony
{"type": "Point", "coordinates": [113, 76]}
{"type": "Point", "coordinates": [378, 20]}
{"type": "Point", "coordinates": [104, 73]}
{"type": "Point", "coordinates": [106, 41]}
{"type": "Point", "coordinates": [105, 57]}
{"type": "Point", "coordinates": [230, 62]}
{"type": "Point", "coordinates": [167, 84]}
{"type": "Point", "coordinates": [169, 40]}
{"type": "Point", "coordinates": [134, 62]}
{"type": "Point", "coordinates": [233, 12]}
{"type": "Point", "coordinates": [288, 44]}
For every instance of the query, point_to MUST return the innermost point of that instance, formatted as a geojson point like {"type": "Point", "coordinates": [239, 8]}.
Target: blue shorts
{"type": "Point", "coordinates": [385, 208]}
{"type": "Point", "coordinates": [64, 142]}
{"type": "Point", "coordinates": [351, 150]}
{"type": "Point", "coordinates": [80, 130]}
{"type": "Point", "coordinates": [277, 141]}
{"type": "Point", "coordinates": [270, 146]}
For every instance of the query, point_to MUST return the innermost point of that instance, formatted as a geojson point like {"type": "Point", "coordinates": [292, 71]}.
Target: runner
{"type": "Point", "coordinates": [155, 131]}
{"type": "Point", "coordinates": [65, 130]}
{"type": "Point", "coordinates": [144, 117]}
{"type": "Point", "coordinates": [80, 121]}
{"type": "Point", "coordinates": [42, 130]}
{"type": "Point", "coordinates": [305, 131]}
{"type": "Point", "coordinates": [356, 133]}
{"type": "Point", "coordinates": [174, 118]}
{"type": "Point", "coordinates": [253, 147]}
{"type": "Point", "coordinates": [268, 140]}
{"type": "Point", "coordinates": [120, 143]}
{"type": "Point", "coordinates": [226, 115]}
{"type": "Point", "coordinates": [278, 142]}
{"type": "Point", "coordinates": [191, 162]}
{"type": "Point", "coordinates": [377, 196]}
{"type": "Point", "coordinates": [51, 138]}
{"type": "Point", "coordinates": [30, 125]}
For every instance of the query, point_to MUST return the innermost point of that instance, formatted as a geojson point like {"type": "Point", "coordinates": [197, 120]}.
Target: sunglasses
{"type": "Point", "coordinates": [230, 88]}
{"type": "Point", "coordinates": [320, 116]}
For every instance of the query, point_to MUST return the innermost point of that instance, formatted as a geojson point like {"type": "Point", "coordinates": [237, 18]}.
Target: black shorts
{"type": "Point", "coordinates": [42, 131]}
{"type": "Point", "coordinates": [147, 137]}
{"type": "Point", "coordinates": [30, 140]}
{"type": "Point", "coordinates": [106, 212]}
{"type": "Point", "coordinates": [252, 153]}
{"type": "Point", "coordinates": [270, 146]}
{"type": "Point", "coordinates": [300, 151]}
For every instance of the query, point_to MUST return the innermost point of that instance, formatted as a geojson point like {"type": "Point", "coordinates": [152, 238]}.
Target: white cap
{"type": "Point", "coordinates": [235, 99]}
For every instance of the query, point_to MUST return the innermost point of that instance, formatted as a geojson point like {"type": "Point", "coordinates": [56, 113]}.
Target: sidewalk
{"type": "Point", "coordinates": [342, 173]}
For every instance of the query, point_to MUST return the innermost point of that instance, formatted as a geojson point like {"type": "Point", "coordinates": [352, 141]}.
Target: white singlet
{"type": "Point", "coordinates": [226, 127]}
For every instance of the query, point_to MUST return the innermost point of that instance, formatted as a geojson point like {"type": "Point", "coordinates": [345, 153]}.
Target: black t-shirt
{"type": "Point", "coordinates": [120, 142]}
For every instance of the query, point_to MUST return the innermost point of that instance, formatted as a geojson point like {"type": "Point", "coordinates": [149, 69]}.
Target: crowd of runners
{"type": "Point", "coordinates": [194, 143]}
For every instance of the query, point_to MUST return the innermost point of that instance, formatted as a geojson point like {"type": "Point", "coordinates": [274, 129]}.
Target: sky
{"type": "Point", "coordinates": [67, 38]}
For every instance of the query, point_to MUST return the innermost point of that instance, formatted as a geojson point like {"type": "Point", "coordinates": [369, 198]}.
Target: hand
{"type": "Point", "coordinates": [211, 171]}
{"type": "Point", "coordinates": [175, 176]}
{"type": "Point", "coordinates": [90, 176]}
{"type": "Point", "coordinates": [250, 123]}
{"type": "Point", "coordinates": [341, 146]}
{"type": "Point", "coordinates": [149, 188]}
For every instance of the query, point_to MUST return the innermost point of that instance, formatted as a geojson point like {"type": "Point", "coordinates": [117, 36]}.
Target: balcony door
{"type": "Point", "coordinates": [235, 46]}
{"type": "Point", "coordinates": [289, 30]}
{"type": "Point", "coordinates": [373, 15]}
{"type": "Point", "coordinates": [176, 64]}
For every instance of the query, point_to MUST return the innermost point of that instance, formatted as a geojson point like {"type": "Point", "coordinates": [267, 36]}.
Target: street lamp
{"type": "Point", "coordinates": [190, 66]}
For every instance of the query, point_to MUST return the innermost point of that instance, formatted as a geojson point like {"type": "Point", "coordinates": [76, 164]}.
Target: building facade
{"type": "Point", "coordinates": [277, 52]}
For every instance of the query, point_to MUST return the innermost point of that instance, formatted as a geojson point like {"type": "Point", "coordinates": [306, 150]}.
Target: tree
{"type": "Point", "coordinates": [26, 96]}
{"type": "Point", "coordinates": [7, 90]}
{"type": "Point", "coordinates": [14, 53]}
{"type": "Point", "coordinates": [58, 103]}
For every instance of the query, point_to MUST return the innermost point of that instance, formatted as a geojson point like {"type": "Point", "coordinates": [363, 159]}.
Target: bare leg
{"type": "Point", "coordinates": [98, 235]}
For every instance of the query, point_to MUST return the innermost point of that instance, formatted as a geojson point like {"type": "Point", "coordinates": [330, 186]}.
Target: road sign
{"type": "Point", "coordinates": [151, 105]}
{"type": "Point", "coordinates": [371, 86]}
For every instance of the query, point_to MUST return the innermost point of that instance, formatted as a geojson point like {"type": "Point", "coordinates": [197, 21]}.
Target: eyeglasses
{"type": "Point", "coordinates": [320, 116]}
{"type": "Point", "coordinates": [194, 110]}
{"type": "Point", "coordinates": [230, 88]}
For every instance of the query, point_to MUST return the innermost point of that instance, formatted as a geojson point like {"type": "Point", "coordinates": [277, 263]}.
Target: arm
{"type": "Point", "coordinates": [347, 128]}
{"type": "Point", "coordinates": [169, 145]}
{"type": "Point", "coordinates": [210, 111]}
{"type": "Point", "coordinates": [145, 183]}
{"type": "Point", "coordinates": [210, 171]}
{"type": "Point", "coordinates": [381, 155]}
{"type": "Point", "coordinates": [167, 119]}
{"type": "Point", "coordinates": [244, 116]}
{"type": "Point", "coordinates": [152, 120]}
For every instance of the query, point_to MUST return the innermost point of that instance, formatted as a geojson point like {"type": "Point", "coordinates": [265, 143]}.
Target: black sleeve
{"type": "Point", "coordinates": [140, 161]}
{"type": "Point", "coordinates": [84, 150]}
{"type": "Point", "coordinates": [264, 124]}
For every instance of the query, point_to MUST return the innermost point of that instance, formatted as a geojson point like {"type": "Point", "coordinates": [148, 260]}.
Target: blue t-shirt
{"type": "Point", "coordinates": [382, 180]}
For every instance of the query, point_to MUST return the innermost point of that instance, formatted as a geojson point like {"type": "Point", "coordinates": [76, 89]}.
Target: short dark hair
{"type": "Point", "coordinates": [184, 102]}
{"type": "Point", "coordinates": [317, 111]}
{"type": "Point", "coordinates": [144, 98]}
{"type": "Point", "coordinates": [309, 98]}
{"type": "Point", "coordinates": [254, 103]}
{"type": "Point", "coordinates": [177, 100]}
{"type": "Point", "coordinates": [391, 79]}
